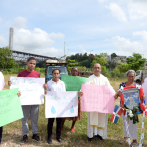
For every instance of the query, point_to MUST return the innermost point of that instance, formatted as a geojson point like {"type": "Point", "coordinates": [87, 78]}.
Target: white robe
{"type": "Point", "coordinates": [91, 131]}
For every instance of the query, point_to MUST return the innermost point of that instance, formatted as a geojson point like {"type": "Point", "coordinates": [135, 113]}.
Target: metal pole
{"type": "Point", "coordinates": [64, 49]}
{"type": "Point", "coordinates": [11, 39]}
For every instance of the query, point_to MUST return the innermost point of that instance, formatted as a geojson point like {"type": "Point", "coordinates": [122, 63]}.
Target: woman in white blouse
{"type": "Point", "coordinates": [55, 84]}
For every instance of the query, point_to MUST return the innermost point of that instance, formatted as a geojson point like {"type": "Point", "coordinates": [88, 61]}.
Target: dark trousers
{"type": "Point", "coordinates": [58, 127]}
{"type": "Point", "coordinates": [1, 131]}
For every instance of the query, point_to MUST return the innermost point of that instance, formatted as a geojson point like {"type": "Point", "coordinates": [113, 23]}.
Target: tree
{"type": "Point", "coordinates": [111, 64]}
{"type": "Point", "coordinates": [40, 64]}
{"type": "Point", "coordinates": [71, 64]}
{"type": "Point", "coordinates": [6, 60]}
{"type": "Point", "coordinates": [101, 60]}
{"type": "Point", "coordinates": [113, 55]}
{"type": "Point", "coordinates": [123, 67]}
{"type": "Point", "coordinates": [136, 62]}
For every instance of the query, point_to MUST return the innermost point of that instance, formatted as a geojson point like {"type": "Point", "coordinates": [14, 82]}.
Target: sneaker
{"type": "Point", "coordinates": [134, 145]}
{"type": "Point", "coordinates": [24, 139]}
{"type": "Point", "coordinates": [59, 139]}
{"type": "Point", "coordinates": [36, 137]}
{"type": "Point", "coordinates": [72, 130]}
{"type": "Point", "coordinates": [90, 139]}
{"type": "Point", "coordinates": [99, 137]}
{"type": "Point", "coordinates": [49, 141]}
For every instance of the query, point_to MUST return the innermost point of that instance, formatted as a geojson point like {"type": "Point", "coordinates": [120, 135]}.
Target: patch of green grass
{"type": "Point", "coordinates": [12, 132]}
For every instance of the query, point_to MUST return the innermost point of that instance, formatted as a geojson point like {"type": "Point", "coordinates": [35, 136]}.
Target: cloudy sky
{"type": "Point", "coordinates": [96, 26]}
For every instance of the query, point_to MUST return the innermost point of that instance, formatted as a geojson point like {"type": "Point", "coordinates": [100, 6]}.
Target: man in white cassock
{"type": "Point", "coordinates": [97, 122]}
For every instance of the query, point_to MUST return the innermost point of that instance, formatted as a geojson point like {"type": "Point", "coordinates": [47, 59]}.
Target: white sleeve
{"type": "Point", "coordinates": [64, 88]}
{"type": "Point", "coordinates": [87, 81]}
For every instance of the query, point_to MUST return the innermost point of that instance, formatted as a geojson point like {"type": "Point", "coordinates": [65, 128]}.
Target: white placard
{"type": "Point", "coordinates": [61, 104]}
{"type": "Point", "coordinates": [32, 91]}
{"type": "Point", "coordinates": [144, 86]}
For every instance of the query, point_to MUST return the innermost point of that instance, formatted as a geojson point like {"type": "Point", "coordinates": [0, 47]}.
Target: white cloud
{"type": "Point", "coordinates": [143, 34]}
{"type": "Point", "coordinates": [137, 9]}
{"type": "Point", "coordinates": [125, 46]}
{"type": "Point", "coordinates": [82, 48]}
{"type": "Point", "coordinates": [117, 12]}
{"type": "Point", "coordinates": [36, 41]}
{"type": "Point", "coordinates": [3, 41]}
{"type": "Point", "coordinates": [19, 22]}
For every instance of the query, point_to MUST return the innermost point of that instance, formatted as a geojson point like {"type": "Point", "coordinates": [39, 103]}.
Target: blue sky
{"type": "Point", "coordinates": [42, 26]}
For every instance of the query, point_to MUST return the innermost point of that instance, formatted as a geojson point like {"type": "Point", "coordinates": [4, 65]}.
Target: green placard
{"type": "Point", "coordinates": [73, 83]}
{"type": "Point", "coordinates": [10, 106]}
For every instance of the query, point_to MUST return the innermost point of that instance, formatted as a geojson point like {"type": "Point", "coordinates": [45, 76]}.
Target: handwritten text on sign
{"type": "Point", "coordinates": [61, 104]}
{"type": "Point", "coordinates": [10, 106]}
{"type": "Point", "coordinates": [32, 92]}
{"type": "Point", "coordinates": [97, 98]}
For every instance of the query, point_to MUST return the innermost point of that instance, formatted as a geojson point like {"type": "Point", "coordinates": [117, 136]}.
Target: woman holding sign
{"type": "Point", "coordinates": [2, 84]}
{"type": "Point", "coordinates": [74, 72]}
{"type": "Point", "coordinates": [55, 84]}
{"type": "Point", "coordinates": [131, 128]}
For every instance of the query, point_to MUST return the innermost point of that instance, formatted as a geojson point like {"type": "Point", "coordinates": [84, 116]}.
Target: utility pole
{"type": "Point", "coordinates": [64, 49]}
{"type": "Point", "coordinates": [11, 39]}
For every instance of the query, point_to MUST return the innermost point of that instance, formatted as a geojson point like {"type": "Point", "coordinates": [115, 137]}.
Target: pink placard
{"type": "Point", "coordinates": [97, 98]}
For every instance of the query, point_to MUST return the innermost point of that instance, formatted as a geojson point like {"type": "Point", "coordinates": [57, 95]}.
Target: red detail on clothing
{"type": "Point", "coordinates": [25, 73]}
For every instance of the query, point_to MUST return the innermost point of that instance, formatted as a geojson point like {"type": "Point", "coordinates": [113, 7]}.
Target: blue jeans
{"type": "Point", "coordinates": [1, 131]}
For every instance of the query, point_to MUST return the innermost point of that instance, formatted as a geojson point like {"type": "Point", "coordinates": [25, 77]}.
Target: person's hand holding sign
{"type": "Point", "coordinates": [80, 93]}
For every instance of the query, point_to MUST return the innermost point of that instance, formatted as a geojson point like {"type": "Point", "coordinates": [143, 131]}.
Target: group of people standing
{"type": "Point", "coordinates": [96, 123]}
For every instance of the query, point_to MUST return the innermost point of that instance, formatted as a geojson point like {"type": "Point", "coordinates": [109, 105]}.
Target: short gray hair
{"type": "Point", "coordinates": [132, 71]}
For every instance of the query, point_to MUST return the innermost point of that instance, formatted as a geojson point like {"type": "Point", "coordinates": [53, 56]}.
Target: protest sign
{"type": "Point", "coordinates": [73, 83]}
{"type": "Point", "coordinates": [32, 91]}
{"type": "Point", "coordinates": [61, 104]}
{"type": "Point", "coordinates": [97, 98]}
{"type": "Point", "coordinates": [10, 106]}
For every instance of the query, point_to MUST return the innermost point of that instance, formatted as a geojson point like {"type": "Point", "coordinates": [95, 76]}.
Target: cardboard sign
{"type": "Point", "coordinates": [97, 98]}
{"type": "Point", "coordinates": [32, 91]}
{"type": "Point", "coordinates": [10, 106]}
{"type": "Point", "coordinates": [61, 104]}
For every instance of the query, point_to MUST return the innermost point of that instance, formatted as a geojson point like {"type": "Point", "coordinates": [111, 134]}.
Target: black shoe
{"type": "Point", "coordinates": [90, 139]}
{"type": "Point", "coordinates": [99, 137]}
{"type": "Point", "coordinates": [24, 139]}
{"type": "Point", "coordinates": [49, 141]}
{"type": "Point", "coordinates": [59, 139]}
{"type": "Point", "coordinates": [36, 137]}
